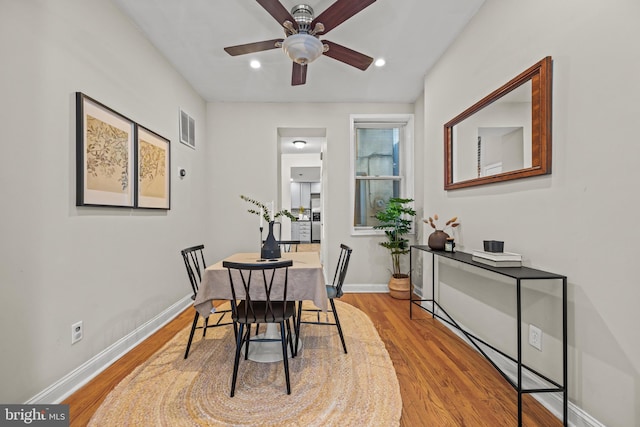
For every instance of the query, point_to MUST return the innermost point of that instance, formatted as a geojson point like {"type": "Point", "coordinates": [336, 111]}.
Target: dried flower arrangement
{"type": "Point", "coordinates": [450, 223]}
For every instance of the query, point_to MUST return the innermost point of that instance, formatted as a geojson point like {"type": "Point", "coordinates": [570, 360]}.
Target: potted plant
{"type": "Point", "coordinates": [396, 220]}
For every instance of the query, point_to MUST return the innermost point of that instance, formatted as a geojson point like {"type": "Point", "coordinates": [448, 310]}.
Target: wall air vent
{"type": "Point", "coordinates": [187, 129]}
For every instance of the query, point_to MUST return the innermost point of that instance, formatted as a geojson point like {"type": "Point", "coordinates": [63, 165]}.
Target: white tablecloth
{"type": "Point", "coordinates": [306, 281]}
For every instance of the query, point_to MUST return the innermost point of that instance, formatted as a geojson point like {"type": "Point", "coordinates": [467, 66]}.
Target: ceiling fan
{"type": "Point", "coordinates": [302, 31]}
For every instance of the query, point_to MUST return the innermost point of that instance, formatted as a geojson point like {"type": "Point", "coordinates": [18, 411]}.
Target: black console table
{"type": "Point", "coordinates": [518, 274]}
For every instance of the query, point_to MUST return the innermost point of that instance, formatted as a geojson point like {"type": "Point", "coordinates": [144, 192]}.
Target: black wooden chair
{"type": "Point", "coordinates": [289, 245]}
{"type": "Point", "coordinates": [194, 262]}
{"type": "Point", "coordinates": [334, 290]}
{"type": "Point", "coordinates": [260, 296]}
{"type": "Point", "coordinates": [285, 246]}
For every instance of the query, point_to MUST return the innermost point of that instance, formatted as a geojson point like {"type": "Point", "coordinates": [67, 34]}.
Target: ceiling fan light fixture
{"type": "Point", "coordinates": [299, 144]}
{"type": "Point", "coordinates": [302, 31]}
{"type": "Point", "coordinates": [302, 48]}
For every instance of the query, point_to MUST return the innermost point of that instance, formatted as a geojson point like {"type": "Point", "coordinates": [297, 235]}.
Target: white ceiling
{"type": "Point", "coordinates": [314, 138]}
{"type": "Point", "coordinates": [305, 174]}
{"type": "Point", "coordinates": [409, 34]}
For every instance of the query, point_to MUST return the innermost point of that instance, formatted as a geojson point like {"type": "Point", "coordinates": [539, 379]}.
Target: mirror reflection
{"type": "Point", "coordinates": [506, 135]}
{"type": "Point", "coordinates": [496, 139]}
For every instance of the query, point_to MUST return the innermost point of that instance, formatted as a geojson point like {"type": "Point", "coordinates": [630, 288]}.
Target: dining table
{"type": "Point", "coordinates": [306, 282]}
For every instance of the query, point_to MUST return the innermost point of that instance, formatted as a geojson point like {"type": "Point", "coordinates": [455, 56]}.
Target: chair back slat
{"type": "Point", "coordinates": [341, 268]}
{"type": "Point", "coordinates": [195, 264]}
{"type": "Point", "coordinates": [261, 288]}
{"type": "Point", "coordinates": [289, 245]}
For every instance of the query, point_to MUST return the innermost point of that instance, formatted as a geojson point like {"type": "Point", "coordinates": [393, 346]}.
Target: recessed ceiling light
{"type": "Point", "coordinates": [380, 62]}
{"type": "Point", "coordinates": [255, 64]}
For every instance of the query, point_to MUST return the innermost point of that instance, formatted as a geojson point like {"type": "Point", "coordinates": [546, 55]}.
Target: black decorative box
{"type": "Point", "coordinates": [493, 246]}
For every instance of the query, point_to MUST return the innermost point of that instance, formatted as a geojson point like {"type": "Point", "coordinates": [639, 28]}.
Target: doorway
{"type": "Point", "coordinates": [306, 203]}
{"type": "Point", "coordinates": [301, 183]}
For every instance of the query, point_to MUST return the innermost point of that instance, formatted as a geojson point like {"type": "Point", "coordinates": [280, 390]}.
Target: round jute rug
{"type": "Point", "coordinates": [328, 387]}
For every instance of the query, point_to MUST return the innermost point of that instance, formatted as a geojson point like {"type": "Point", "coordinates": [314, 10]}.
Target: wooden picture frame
{"type": "Point", "coordinates": [539, 77]}
{"type": "Point", "coordinates": [153, 166]}
{"type": "Point", "coordinates": [105, 154]}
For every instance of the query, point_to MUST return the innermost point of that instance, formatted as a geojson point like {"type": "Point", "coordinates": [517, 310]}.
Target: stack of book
{"type": "Point", "coordinates": [498, 259]}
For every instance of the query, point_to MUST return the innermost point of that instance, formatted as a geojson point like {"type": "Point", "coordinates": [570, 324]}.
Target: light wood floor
{"type": "Point", "coordinates": [309, 247]}
{"type": "Point", "coordinates": [442, 380]}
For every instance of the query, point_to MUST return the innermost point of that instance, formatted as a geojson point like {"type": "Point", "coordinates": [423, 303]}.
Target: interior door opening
{"type": "Point", "coordinates": [301, 184]}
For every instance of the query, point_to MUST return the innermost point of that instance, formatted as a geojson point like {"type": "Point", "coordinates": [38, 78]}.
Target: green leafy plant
{"type": "Point", "coordinates": [396, 221]}
{"type": "Point", "coordinates": [264, 210]}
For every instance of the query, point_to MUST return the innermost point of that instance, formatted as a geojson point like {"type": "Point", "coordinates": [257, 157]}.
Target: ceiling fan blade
{"type": "Point", "coordinates": [339, 12]}
{"type": "Point", "coordinates": [348, 56]}
{"type": "Point", "coordinates": [278, 11]}
{"type": "Point", "coordinates": [243, 49]}
{"type": "Point", "coordinates": [298, 74]}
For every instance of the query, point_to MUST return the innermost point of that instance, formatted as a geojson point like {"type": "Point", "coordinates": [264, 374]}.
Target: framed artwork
{"type": "Point", "coordinates": [153, 165]}
{"type": "Point", "coordinates": [187, 129]}
{"type": "Point", "coordinates": [104, 155]}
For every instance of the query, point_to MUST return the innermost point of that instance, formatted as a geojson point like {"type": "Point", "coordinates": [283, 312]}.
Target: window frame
{"type": "Point", "coordinates": [406, 175]}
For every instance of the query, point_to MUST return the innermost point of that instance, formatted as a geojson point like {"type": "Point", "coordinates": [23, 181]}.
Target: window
{"type": "Point", "coordinates": [381, 165]}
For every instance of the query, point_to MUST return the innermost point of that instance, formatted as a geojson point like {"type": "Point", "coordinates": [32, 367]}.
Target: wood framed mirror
{"type": "Point", "coordinates": [504, 136]}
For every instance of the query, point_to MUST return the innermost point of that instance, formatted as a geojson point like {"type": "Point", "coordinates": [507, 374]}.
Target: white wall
{"type": "Point", "coordinates": [578, 221]}
{"type": "Point", "coordinates": [112, 268]}
{"type": "Point", "coordinates": [243, 158]}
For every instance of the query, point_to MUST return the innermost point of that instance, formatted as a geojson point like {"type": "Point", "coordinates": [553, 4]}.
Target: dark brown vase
{"type": "Point", "coordinates": [437, 240]}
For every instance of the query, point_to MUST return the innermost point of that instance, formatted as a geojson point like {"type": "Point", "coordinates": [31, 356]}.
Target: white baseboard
{"type": "Point", "coordinates": [552, 401]}
{"type": "Point", "coordinates": [75, 379]}
{"type": "Point", "coordinates": [71, 382]}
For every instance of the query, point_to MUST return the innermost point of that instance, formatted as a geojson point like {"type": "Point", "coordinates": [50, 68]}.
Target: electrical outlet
{"type": "Point", "coordinates": [77, 332]}
{"type": "Point", "coordinates": [535, 337]}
